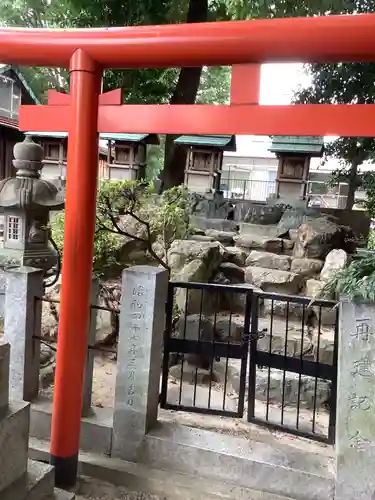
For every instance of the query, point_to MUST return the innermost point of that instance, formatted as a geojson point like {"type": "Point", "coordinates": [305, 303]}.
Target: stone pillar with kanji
{"type": "Point", "coordinates": [355, 428]}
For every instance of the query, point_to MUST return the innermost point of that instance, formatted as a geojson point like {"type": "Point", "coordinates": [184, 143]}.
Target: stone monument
{"type": "Point", "coordinates": [27, 201]}
{"type": "Point", "coordinates": [20, 478]}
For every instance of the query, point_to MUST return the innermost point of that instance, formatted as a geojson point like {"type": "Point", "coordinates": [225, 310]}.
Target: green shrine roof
{"type": "Point", "coordinates": [225, 142]}
{"type": "Point", "coordinates": [297, 144]}
{"type": "Point", "coordinates": [146, 138]}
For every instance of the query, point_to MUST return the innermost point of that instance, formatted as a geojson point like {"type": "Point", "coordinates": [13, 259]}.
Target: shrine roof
{"type": "Point", "coordinates": [313, 146]}
{"type": "Point", "coordinates": [137, 138]}
{"type": "Point", "coordinates": [224, 142]}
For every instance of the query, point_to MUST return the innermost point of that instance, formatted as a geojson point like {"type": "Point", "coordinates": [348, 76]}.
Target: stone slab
{"type": "Point", "coordinates": [171, 485]}
{"type": "Point", "coordinates": [139, 358]}
{"type": "Point", "coordinates": [281, 471]}
{"type": "Point", "coordinates": [272, 280]}
{"type": "Point", "coordinates": [199, 222]}
{"type": "Point", "coordinates": [96, 428]}
{"type": "Point", "coordinates": [63, 495]}
{"type": "Point", "coordinates": [268, 260]}
{"type": "Point", "coordinates": [4, 377]}
{"type": "Point", "coordinates": [14, 435]}
{"type": "Point", "coordinates": [36, 484]}
{"type": "Point", "coordinates": [355, 428]}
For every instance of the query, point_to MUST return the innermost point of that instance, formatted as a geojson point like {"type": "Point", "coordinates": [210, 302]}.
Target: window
{"type": "Point", "coordinates": [10, 98]}
{"type": "Point", "coordinates": [51, 150]}
{"type": "Point", "coordinates": [13, 228]}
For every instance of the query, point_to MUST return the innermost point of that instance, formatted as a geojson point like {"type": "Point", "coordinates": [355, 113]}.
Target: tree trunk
{"type": "Point", "coordinates": [185, 93]}
{"type": "Point", "coordinates": [350, 200]}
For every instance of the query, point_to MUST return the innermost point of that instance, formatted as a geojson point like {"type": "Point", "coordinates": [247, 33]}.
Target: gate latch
{"type": "Point", "coordinates": [258, 335]}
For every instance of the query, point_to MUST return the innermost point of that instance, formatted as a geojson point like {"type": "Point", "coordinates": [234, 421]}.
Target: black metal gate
{"type": "Point", "coordinates": [232, 351]}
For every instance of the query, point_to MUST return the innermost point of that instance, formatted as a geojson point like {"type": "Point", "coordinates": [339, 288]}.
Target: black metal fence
{"type": "Point", "coordinates": [233, 351]}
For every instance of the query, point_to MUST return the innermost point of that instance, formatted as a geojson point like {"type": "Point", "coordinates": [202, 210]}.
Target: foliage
{"type": "Point", "coordinates": [156, 218]}
{"type": "Point", "coordinates": [355, 282]}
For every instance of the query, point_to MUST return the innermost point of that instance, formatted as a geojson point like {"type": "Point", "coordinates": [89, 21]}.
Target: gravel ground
{"type": "Point", "coordinates": [92, 489]}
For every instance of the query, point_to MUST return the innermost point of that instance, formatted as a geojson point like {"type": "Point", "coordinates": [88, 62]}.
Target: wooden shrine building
{"type": "Point", "coordinates": [204, 159]}
{"type": "Point", "coordinates": [294, 154]}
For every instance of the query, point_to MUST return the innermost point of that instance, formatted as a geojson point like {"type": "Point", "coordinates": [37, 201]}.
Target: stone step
{"type": "Point", "coordinates": [63, 495]}
{"type": "Point", "coordinates": [139, 477]}
{"type": "Point", "coordinates": [14, 433]}
{"type": "Point", "coordinates": [37, 484]}
{"type": "Point", "coordinates": [281, 470]}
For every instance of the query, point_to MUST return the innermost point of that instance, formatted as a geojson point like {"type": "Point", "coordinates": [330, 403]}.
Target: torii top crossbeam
{"type": "Point", "coordinates": [315, 39]}
{"type": "Point", "coordinates": [243, 45]}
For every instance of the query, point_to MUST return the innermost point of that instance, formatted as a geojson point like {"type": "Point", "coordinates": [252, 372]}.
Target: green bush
{"type": "Point", "coordinates": [163, 218]}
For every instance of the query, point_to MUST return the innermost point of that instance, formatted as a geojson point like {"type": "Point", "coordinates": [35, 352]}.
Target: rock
{"type": "Point", "coordinates": [293, 234]}
{"type": "Point", "coordinates": [314, 289]}
{"type": "Point", "coordinates": [268, 260]}
{"type": "Point", "coordinates": [211, 205]}
{"type": "Point", "coordinates": [196, 327]}
{"type": "Point", "coordinates": [335, 261]}
{"type": "Point", "coordinates": [324, 343]}
{"type": "Point", "coordinates": [318, 236]}
{"type": "Point", "coordinates": [295, 343]}
{"type": "Point", "coordinates": [47, 354]}
{"type": "Point", "coordinates": [254, 241]}
{"type": "Point", "coordinates": [306, 267]}
{"type": "Point", "coordinates": [258, 229]}
{"type": "Point", "coordinates": [204, 258]}
{"type": "Point", "coordinates": [232, 272]}
{"type": "Point", "coordinates": [271, 385]}
{"type": "Point", "coordinates": [191, 374]}
{"type": "Point", "coordinates": [200, 222]}
{"type": "Point", "coordinates": [224, 237]}
{"type": "Point", "coordinates": [230, 328]}
{"type": "Point", "coordinates": [200, 237]}
{"type": "Point", "coordinates": [277, 389]}
{"type": "Point", "coordinates": [281, 308]}
{"type": "Point", "coordinates": [236, 255]}
{"type": "Point", "coordinates": [272, 280]}
{"type": "Point", "coordinates": [291, 219]}
{"type": "Point", "coordinates": [236, 301]}
{"type": "Point", "coordinates": [220, 279]}
{"type": "Point", "coordinates": [263, 214]}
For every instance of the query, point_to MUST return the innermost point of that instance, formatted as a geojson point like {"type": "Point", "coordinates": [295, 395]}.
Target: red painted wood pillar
{"type": "Point", "coordinates": [82, 169]}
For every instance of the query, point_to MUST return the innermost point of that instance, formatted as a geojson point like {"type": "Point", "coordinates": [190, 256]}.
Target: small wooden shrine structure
{"type": "Point", "coordinates": [294, 154]}
{"type": "Point", "coordinates": [204, 159]}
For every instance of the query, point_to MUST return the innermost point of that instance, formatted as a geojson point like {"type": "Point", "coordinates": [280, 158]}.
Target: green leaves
{"type": "Point", "coordinates": [355, 282]}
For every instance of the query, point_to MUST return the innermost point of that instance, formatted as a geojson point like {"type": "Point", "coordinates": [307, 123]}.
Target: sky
{"type": "Point", "coordinates": [278, 84]}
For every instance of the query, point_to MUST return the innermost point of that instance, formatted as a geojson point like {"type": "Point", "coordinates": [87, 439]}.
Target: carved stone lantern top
{"type": "Point", "coordinates": [27, 191]}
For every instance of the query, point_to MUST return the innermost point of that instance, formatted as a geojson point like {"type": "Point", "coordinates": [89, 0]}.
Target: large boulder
{"type": "Point", "coordinates": [272, 280]}
{"type": "Point", "coordinates": [234, 273]}
{"type": "Point", "coordinates": [318, 236]}
{"type": "Point", "coordinates": [198, 328]}
{"type": "Point", "coordinates": [306, 267]}
{"type": "Point", "coordinates": [263, 214]}
{"type": "Point", "coordinates": [199, 222]}
{"type": "Point", "coordinates": [315, 289]}
{"type": "Point", "coordinates": [268, 260]}
{"type": "Point", "coordinates": [224, 237]}
{"type": "Point", "coordinates": [335, 261]}
{"type": "Point", "coordinates": [254, 241]}
{"type": "Point", "coordinates": [235, 301]}
{"type": "Point", "coordinates": [236, 255]}
{"type": "Point", "coordinates": [194, 261]}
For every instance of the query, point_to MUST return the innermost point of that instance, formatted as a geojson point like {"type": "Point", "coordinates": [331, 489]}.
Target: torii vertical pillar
{"type": "Point", "coordinates": [85, 78]}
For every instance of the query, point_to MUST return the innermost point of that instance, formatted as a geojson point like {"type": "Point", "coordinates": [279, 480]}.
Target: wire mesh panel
{"type": "Point", "coordinates": [206, 348]}
{"type": "Point", "coordinates": [293, 367]}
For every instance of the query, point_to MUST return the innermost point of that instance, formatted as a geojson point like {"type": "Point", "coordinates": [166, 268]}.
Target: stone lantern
{"type": "Point", "coordinates": [27, 201]}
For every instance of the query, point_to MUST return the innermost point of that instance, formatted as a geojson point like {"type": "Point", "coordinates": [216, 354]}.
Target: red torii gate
{"type": "Point", "coordinates": [244, 45]}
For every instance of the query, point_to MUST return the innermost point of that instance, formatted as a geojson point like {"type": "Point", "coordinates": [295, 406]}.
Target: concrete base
{"type": "Point", "coordinates": [96, 429]}
{"type": "Point", "coordinates": [283, 471]}
{"type": "Point", "coordinates": [14, 433]}
{"type": "Point", "coordinates": [171, 485]}
{"type": "Point", "coordinates": [37, 484]}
